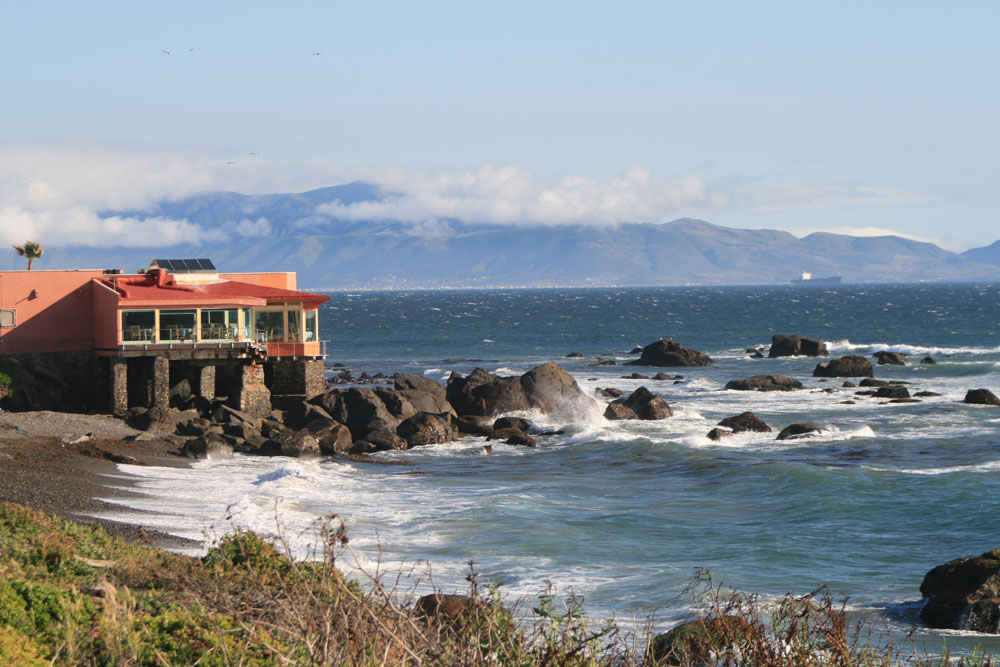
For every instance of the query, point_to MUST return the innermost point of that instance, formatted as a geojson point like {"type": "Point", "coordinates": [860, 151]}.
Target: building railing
{"type": "Point", "coordinates": [173, 334]}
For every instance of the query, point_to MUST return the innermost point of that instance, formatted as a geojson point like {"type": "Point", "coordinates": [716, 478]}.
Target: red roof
{"type": "Point", "coordinates": [147, 291]}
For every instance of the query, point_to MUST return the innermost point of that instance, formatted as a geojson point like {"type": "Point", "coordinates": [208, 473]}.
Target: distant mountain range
{"type": "Point", "coordinates": [282, 232]}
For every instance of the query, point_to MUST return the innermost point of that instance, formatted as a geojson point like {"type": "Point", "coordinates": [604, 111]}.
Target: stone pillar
{"type": "Point", "coordinates": [298, 377]}
{"type": "Point", "coordinates": [161, 383]}
{"type": "Point", "coordinates": [206, 382]}
{"type": "Point", "coordinates": [252, 396]}
{"type": "Point", "coordinates": [119, 386]}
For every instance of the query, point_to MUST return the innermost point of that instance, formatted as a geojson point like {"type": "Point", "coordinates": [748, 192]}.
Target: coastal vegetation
{"type": "Point", "coordinates": [70, 594]}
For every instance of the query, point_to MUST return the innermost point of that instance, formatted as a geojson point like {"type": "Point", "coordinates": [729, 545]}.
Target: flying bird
{"type": "Point", "coordinates": [166, 52]}
{"type": "Point", "coordinates": [194, 48]}
{"type": "Point", "coordinates": [317, 53]}
{"type": "Point", "coordinates": [254, 154]}
{"type": "Point", "coordinates": [231, 162]}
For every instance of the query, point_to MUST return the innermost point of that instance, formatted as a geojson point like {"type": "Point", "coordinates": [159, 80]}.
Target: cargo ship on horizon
{"type": "Point", "coordinates": [808, 278]}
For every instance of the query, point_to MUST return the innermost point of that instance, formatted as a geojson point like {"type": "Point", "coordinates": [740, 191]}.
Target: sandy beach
{"type": "Point", "coordinates": [60, 463]}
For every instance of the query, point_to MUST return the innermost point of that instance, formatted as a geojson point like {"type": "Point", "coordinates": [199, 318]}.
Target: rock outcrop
{"type": "Point", "coordinates": [981, 397]}
{"type": "Point", "coordinates": [964, 594]}
{"type": "Point", "coordinates": [647, 405]}
{"type": "Point", "coordinates": [746, 421]}
{"type": "Point", "coordinates": [666, 352]}
{"type": "Point", "coordinates": [765, 383]}
{"type": "Point", "coordinates": [548, 388]}
{"type": "Point", "coordinates": [785, 345]}
{"type": "Point", "coordinates": [844, 367]}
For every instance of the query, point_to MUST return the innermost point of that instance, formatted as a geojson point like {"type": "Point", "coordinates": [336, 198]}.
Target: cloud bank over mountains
{"type": "Point", "coordinates": [61, 196]}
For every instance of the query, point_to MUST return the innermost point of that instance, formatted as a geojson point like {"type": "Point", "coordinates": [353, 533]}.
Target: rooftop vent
{"type": "Point", "coordinates": [184, 265]}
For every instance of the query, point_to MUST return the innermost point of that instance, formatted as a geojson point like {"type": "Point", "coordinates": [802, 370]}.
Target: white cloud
{"type": "Point", "coordinates": [55, 195]}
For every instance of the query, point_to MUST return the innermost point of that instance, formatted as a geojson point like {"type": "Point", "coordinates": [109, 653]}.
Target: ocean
{"type": "Point", "coordinates": [625, 513]}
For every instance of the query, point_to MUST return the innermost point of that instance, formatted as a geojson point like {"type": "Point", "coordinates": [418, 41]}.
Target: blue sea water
{"type": "Point", "coordinates": [624, 513]}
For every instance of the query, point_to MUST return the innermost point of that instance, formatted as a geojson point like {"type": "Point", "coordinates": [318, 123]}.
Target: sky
{"type": "Point", "coordinates": [852, 117]}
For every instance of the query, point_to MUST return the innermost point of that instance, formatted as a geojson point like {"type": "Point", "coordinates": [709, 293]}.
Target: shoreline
{"type": "Point", "coordinates": [46, 469]}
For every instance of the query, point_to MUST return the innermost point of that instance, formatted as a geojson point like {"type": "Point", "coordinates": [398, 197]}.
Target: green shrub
{"type": "Point", "coordinates": [17, 649]}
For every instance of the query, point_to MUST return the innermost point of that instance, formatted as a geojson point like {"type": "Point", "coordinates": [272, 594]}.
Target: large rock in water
{"type": "Point", "coordinates": [765, 383]}
{"type": "Point", "coordinates": [964, 594]}
{"type": "Point", "coordinates": [427, 429]}
{"type": "Point", "coordinates": [358, 408]}
{"type": "Point", "coordinates": [424, 394]}
{"type": "Point", "coordinates": [785, 345]}
{"type": "Point", "coordinates": [647, 405]}
{"type": "Point", "coordinates": [981, 397]}
{"type": "Point", "coordinates": [747, 421]}
{"type": "Point", "coordinates": [548, 388]}
{"type": "Point", "coordinates": [666, 352]}
{"type": "Point", "coordinates": [844, 367]}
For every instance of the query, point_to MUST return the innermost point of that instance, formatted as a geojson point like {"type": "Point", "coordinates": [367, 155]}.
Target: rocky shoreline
{"type": "Point", "coordinates": [60, 463]}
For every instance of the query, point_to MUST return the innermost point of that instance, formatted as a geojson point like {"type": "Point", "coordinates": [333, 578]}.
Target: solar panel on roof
{"type": "Point", "coordinates": [185, 265]}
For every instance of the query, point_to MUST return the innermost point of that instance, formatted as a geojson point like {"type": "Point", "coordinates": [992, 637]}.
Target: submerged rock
{"type": "Point", "coordinates": [895, 358]}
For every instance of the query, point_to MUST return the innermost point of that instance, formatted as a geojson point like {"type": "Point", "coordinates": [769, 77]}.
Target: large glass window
{"type": "Point", "coordinates": [138, 325]}
{"type": "Point", "coordinates": [294, 324]}
{"type": "Point", "coordinates": [177, 324]}
{"type": "Point", "coordinates": [219, 323]}
{"type": "Point", "coordinates": [269, 325]}
{"type": "Point", "coordinates": [312, 325]}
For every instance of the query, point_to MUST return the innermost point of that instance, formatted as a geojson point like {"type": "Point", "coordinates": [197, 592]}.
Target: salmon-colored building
{"type": "Point", "coordinates": [245, 334]}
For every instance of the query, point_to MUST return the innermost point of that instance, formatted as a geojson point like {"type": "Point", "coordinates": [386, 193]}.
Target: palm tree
{"type": "Point", "coordinates": [31, 250]}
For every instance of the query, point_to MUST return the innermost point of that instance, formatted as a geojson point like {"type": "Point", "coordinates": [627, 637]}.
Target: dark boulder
{"type": "Point", "coordinates": [210, 446]}
{"type": "Point", "coordinates": [662, 376]}
{"type": "Point", "coordinates": [408, 381]}
{"type": "Point", "coordinates": [647, 405]}
{"type": "Point", "coordinates": [333, 437]}
{"type": "Point", "coordinates": [519, 423]}
{"type": "Point", "coordinates": [872, 382]}
{"type": "Point", "coordinates": [574, 355]}
{"type": "Point", "coordinates": [606, 362]}
{"type": "Point", "coordinates": [746, 421]}
{"type": "Point", "coordinates": [964, 594]}
{"type": "Point", "coordinates": [398, 405]}
{"type": "Point", "coordinates": [551, 389]}
{"type": "Point", "coordinates": [424, 394]}
{"type": "Point", "coordinates": [799, 431]}
{"type": "Point", "coordinates": [894, 358]}
{"type": "Point", "coordinates": [981, 397]}
{"type": "Point", "coordinates": [892, 391]}
{"type": "Point", "coordinates": [300, 413]}
{"type": "Point", "coordinates": [635, 376]}
{"type": "Point", "coordinates": [473, 425]}
{"type": "Point", "coordinates": [426, 429]}
{"type": "Point", "coordinates": [180, 392]}
{"type": "Point", "coordinates": [548, 388]}
{"type": "Point", "coordinates": [785, 345]}
{"type": "Point", "coordinates": [666, 352]}
{"type": "Point", "coordinates": [610, 392]}
{"type": "Point", "coordinates": [718, 434]}
{"type": "Point", "coordinates": [483, 393]}
{"type": "Point", "coordinates": [928, 360]}
{"type": "Point", "coordinates": [850, 366]}
{"type": "Point", "coordinates": [521, 440]}
{"type": "Point", "coordinates": [618, 412]}
{"type": "Point", "coordinates": [379, 440]}
{"type": "Point", "coordinates": [765, 383]}
{"type": "Point", "coordinates": [926, 394]}
{"type": "Point", "coordinates": [360, 409]}
{"type": "Point", "coordinates": [291, 443]}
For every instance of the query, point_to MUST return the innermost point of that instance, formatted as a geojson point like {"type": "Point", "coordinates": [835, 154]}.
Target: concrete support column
{"type": "Point", "coordinates": [119, 386]}
{"type": "Point", "coordinates": [252, 396]}
{"type": "Point", "coordinates": [161, 383]}
{"type": "Point", "coordinates": [206, 382]}
{"type": "Point", "coordinates": [298, 377]}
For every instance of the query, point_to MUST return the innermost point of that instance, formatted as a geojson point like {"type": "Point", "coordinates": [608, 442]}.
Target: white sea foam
{"type": "Point", "coordinates": [844, 345]}
{"type": "Point", "coordinates": [989, 466]}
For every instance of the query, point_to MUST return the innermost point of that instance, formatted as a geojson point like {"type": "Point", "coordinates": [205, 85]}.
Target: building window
{"type": "Point", "coordinates": [177, 325]}
{"type": "Point", "coordinates": [269, 325]}
{"type": "Point", "coordinates": [8, 318]}
{"type": "Point", "coordinates": [219, 324]}
{"type": "Point", "coordinates": [294, 324]}
{"type": "Point", "coordinates": [138, 326]}
{"type": "Point", "coordinates": [312, 325]}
